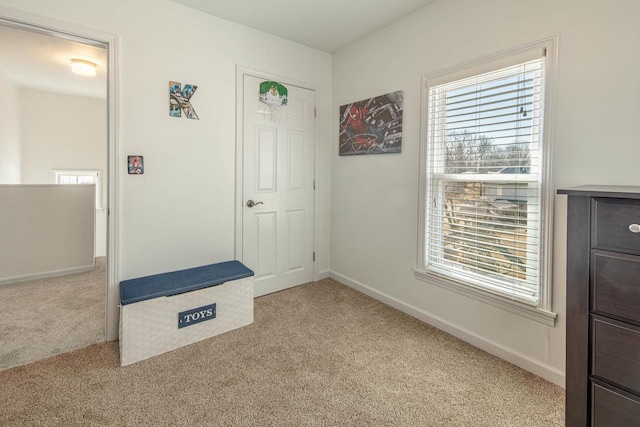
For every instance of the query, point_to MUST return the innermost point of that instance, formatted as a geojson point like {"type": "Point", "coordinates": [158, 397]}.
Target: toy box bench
{"type": "Point", "coordinates": [166, 311]}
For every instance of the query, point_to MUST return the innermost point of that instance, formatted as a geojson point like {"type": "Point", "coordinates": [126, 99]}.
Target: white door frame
{"type": "Point", "coordinates": [75, 32]}
{"type": "Point", "coordinates": [241, 71]}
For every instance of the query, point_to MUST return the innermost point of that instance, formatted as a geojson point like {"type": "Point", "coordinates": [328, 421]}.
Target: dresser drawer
{"type": "Point", "coordinates": [615, 284]}
{"type": "Point", "coordinates": [616, 352]}
{"type": "Point", "coordinates": [611, 219]}
{"type": "Point", "coordinates": [613, 408]}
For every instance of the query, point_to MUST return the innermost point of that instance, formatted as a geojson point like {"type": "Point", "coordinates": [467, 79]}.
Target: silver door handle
{"type": "Point", "coordinates": [251, 203]}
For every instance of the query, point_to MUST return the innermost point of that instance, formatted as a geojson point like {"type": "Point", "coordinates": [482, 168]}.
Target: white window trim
{"type": "Point", "coordinates": [542, 313]}
{"type": "Point", "coordinates": [56, 173]}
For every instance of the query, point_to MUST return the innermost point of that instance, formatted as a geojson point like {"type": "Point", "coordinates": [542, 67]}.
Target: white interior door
{"type": "Point", "coordinates": [278, 169]}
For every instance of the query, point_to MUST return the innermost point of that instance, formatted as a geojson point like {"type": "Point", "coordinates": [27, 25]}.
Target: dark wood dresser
{"type": "Point", "coordinates": [603, 306]}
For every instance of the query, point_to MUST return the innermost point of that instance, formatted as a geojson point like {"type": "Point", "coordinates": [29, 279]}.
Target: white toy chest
{"type": "Point", "coordinates": [166, 311]}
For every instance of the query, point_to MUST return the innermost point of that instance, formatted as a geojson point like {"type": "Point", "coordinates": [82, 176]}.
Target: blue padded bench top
{"type": "Point", "coordinates": [178, 282]}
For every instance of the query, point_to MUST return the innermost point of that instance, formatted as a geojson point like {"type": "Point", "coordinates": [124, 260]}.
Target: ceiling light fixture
{"type": "Point", "coordinates": [83, 68]}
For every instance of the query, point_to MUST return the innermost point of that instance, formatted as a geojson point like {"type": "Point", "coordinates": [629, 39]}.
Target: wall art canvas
{"type": "Point", "coordinates": [135, 165]}
{"type": "Point", "coordinates": [180, 100]}
{"type": "Point", "coordinates": [372, 126]}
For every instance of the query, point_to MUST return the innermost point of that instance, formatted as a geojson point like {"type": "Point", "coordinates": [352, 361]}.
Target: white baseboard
{"type": "Point", "coordinates": [324, 274]}
{"type": "Point", "coordinates": [45, 274]}
{"type": "Point", "coordinates": [524, 361]}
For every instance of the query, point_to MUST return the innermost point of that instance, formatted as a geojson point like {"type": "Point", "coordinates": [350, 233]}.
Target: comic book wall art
{"type": "Point", "coordinates": [372, 126]}
{"type": "Point", "coordinates": [135, 165]}
{"type": "Point", "coordinates": [180, 100]}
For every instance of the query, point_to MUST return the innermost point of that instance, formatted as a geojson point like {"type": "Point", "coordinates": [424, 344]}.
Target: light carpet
{"type": "Point", "coordinates": [45, 317]}
{"type": "Point", "coordinates": [320, 354]}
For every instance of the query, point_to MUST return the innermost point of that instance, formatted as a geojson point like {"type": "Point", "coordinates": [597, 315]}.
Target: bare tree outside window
{"type": "Point", "coordinates": [485, 223]}
{"type": "Point", "coordinates": [472, 153]}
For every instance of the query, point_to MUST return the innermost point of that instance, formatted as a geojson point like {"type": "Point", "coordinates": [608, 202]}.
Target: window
{"type": "Point", "coordinates": [81, 177]}
{"type": "Point", "coordinates": [484, 181]}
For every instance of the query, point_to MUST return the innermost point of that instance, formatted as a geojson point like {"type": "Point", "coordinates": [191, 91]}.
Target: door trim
{"type": "Point", "coordinates": [76, 32]}
{"type": "Point", "coordinates": [242, 71]}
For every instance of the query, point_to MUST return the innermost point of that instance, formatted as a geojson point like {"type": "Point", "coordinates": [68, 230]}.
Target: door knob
{"type": "Point", "coordinates": [251, 203]}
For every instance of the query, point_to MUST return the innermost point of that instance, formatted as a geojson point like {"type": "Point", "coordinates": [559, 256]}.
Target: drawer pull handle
{"type": "Point", "coordinates": [634, 228]}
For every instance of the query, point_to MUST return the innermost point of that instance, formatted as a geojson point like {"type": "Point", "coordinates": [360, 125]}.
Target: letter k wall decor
{"type": "Point", "coordinates": [180, 100]}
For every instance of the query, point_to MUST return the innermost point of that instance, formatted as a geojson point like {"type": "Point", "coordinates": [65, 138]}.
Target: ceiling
{"type": "Point", "coordinates": [39, 61]}
{"type": "Point", "coordinates": [327, 25]}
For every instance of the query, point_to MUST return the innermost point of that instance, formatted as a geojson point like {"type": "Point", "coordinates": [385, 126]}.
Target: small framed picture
{"type": "Point", "coordinates": [136, 165]}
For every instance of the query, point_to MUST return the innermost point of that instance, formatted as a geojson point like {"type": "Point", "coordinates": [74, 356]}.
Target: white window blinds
{"type": "Point", "coordinates": [484, 169]}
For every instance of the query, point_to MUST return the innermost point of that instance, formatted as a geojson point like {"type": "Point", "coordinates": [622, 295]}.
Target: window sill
{"type": "Point", "coordinates": [539, 315]}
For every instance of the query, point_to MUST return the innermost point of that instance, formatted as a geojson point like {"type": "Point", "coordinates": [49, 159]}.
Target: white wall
{"type": "Point", "coordinates": [596, 130]}
{"type": "Point", "coordinates": [180, 213]}
{"type": "Point", "coordinates": [9, 132]}
{"type": "Point", "coordinates": [64, 132]}
{"type": "Point", "coordinates": [46, 230]}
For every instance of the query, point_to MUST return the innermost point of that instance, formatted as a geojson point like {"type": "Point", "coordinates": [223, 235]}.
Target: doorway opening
{"type": "Point", "coordinates": [58, 170]}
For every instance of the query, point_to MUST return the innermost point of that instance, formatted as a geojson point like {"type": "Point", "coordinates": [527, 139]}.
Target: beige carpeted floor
{"type": "Point", "coordinates": [45, 317]}
{"type": "Point", "coordinates": [320, 354]}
